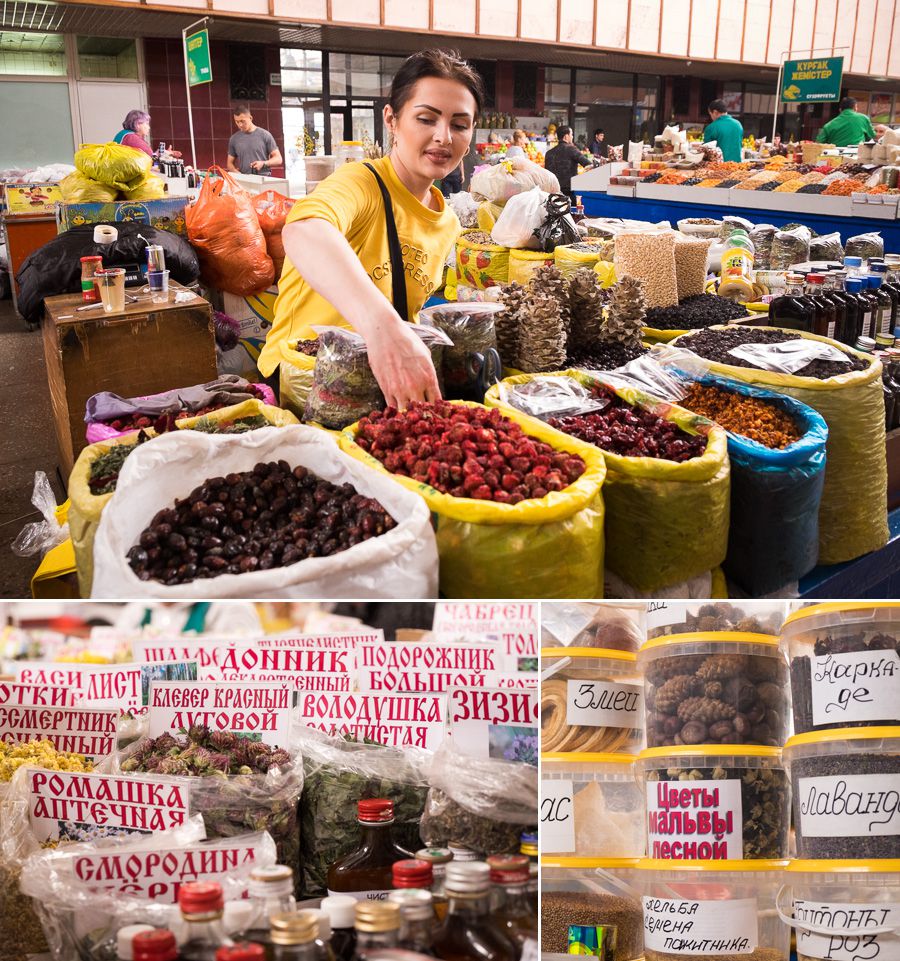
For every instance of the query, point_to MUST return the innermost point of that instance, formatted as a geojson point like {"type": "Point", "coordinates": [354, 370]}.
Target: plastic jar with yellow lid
{"type": "Point", "coordinates": [722, 688]}
{"type": "Point", "coordinates": [845, 665]}
{"type": "Point", "coordinates": [592, 700]}
{"type": "Point", "coordinates": [711, 617]}
{"type": "Point", "coordinates": [591, 806]}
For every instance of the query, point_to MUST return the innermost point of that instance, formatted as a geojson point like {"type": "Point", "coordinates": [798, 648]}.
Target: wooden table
{"type": "Point", "coordinates": [146, 349]}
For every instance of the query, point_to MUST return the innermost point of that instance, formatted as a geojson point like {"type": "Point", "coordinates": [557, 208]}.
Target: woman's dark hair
{"type": "Point", "coordinates": [444, 64]}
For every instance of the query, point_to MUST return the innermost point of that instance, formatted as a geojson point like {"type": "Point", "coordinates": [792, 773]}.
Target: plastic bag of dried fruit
{"type": "Point", "coordinates": [489, 549]}
{"type": "Point", "coordinates": [853, 508]}
{"type": "Point", "coordinates": [665, 521]}
{"type": "Point", "coordinates": [399, 563]}
{"type": "Point", "coordinates": [482, 804]}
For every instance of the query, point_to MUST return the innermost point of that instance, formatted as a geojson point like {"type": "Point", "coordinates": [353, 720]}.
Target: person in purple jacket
{"type": "Point", "coordinates": [135, 131]}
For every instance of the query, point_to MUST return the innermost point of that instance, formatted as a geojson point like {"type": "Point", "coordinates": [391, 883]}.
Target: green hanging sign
{"type": "Point", "coordinates": [812, 81]}
{"type": "Point", "coordinates": [199, 66]}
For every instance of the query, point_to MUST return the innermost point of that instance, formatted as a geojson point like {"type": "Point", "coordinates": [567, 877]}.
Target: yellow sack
{"type": "Point", "coordinates": [606, 271]}
{"type": "Point", "coordinates": [853, 510]}
{"type": "Point", "coordinates": [481, 265]}
{"type": "Point", "coordinates": [569, 260]}
{"type": "Point", "coordinates": [78, 189]}
{"type": "Point", "coordinates": [112, 164]}
{"type": "Point", "coordinates": [655, 335]}
{"type": "Point", "coordinates": [665, 522]}
{"type": "Point", "coordinates": [86, 508]}
{"type": "Point", "coordinates": [295, 378]}
{"type": "Point", "coordinates": [523, 263]}
{"type": "Point", "coordinates": [552, 547]}
{"type": "Point", "coordinates": [488, 214]}
{"type": "Point", "coordinates": [146, 187]}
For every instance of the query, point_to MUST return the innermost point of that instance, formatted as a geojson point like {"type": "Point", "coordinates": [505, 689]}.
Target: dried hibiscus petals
{"type": "Point", "coordinates": [467, 452]}
{"type": "Point", "coordinates": [631, 432]}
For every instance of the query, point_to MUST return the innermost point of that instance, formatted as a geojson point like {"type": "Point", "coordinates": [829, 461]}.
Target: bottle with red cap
{"type": "Point", "coordinates": [202, 907]}
{"type": "Point", "coordinates": [242, 951]}
{"type": "Point", "coordinates": [419, 873]}
{"type": "Point", "coordinates": [157, 944]}
{"type": "Point", "coordinates": [366, 872]}
{"type": "Point", "coordinates": [469, 933]}
{"type": "Point", "coordinates": [514, 911]}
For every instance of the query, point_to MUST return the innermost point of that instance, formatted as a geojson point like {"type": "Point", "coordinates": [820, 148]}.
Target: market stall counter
{"type": "Point", "coordinates": [145, 348]}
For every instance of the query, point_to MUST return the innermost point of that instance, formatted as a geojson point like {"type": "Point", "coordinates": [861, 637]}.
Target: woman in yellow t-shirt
{"type": "Point", "coordinates": [342, 240]}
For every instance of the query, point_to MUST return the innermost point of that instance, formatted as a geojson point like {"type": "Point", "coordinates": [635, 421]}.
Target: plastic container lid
{"type": "Point", "coordinates": [242, 951]}
{"type": "Point", "coordinates": [201, 897]}
{"type": "Point", "coordinates": [126, 936]}
{"type": "Point", "coordinates": [589, 863]}
{"type": "Point", "coordinates": [880, 268]}
{"type": "Point", "coordinates": [575, 757]}
{"type": "Point", "coordinates": [152, 945]}
{"type": "Point", "coordinates": [840, 737]}
{"type": "Point", "coordinates": [413, 873]}
{"type": "Point", "coordinates": [815, 278]}
{"type": "Point", "coordinates": [375, 810]}
{"type": "Point", "coordinates": [340, 908]}
{"type": "Point", "coordinates": [435, 855]}
{"type": "Point", "coordinates": [854, 285]}
{"type": "Point", "coordinates": [839, 607]}
{"type": "Point", "coordinates": [709, 750]}
{"type": "Point", "coordinates": [658, 864]}
{"type": "Point", "coordinates": [709, 637]}
{"type": "Point", "coordinates": [593, 652]}
{"type": "Point", "coordinates": [853, 261]}
{"type": "Point", "coordinates": [874, 280]}
{"type": "Point", "coordinates": [875, 866]}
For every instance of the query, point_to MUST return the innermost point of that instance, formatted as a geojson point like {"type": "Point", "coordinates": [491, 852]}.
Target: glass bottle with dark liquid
{"type": "Point", "coordinates": [792, 309]}
{"type": "Point", "coordinates": [826, 313]}
{"type": "Point", "coordinates": [271, 891]}
{"type": "Point", "coordinates": [340, 908]}
{"type": "Point", "coordinates": [510, 876]}
{"type": "Point", "coordinates": [468, 933]}
{"type": "Point", "coordinates": [377, 926]}
{"type": "Point", "coordinates": [293, 936]}
{"type": "Point", "coordinates": [417, 921]}
{"type": "Point", "coordinates": [202, 908]}
{"type": "Point", "coordinates": [853, 288]}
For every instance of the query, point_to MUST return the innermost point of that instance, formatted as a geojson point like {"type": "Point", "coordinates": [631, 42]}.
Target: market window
{"type": "Point", "coordinates": [107, 58]}
{"type": "Point", "coordinates": [247, 71]}
{"type": "Point", "coordinates": [603, 87]}
{"type": "Point", "coordinates": [33, 54]}
{"type": "Point", "coordinates": [301, 71]}
{"type": "Point", "coordinates": [557, 85]}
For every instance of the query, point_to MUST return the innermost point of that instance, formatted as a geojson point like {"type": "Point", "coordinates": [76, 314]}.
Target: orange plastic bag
{"type": "Point", "coordinates": [224, 229]}
{"type": "Point", "coordinates": [272, 209]}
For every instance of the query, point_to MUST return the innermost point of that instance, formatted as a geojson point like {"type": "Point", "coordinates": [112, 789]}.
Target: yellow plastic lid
{"type": "Point", "coordinates": [845, 866]}
{"type": "Point", "coordinates": [838, 607]}
{"type": "Point", "coordinates": [732, 637]}
{"type": "Point", "coordinates": [596, 652]}
{"type": "Point", "coordinates": [709, 750]}
{"type": "Point", "coordinates": [351, 143]}
{"type": "Point", "coordinates": [587, 758]}
{"type": "Point", "coordinates": [551, 862]}
{"type": "Point", "coordinates": [842, 734]}
{"type": "Point", "coordinates": [658, 864]}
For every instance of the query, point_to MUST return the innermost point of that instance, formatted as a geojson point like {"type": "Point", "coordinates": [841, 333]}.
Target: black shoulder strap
{"type": "Point", "coordinates": [398, 274]}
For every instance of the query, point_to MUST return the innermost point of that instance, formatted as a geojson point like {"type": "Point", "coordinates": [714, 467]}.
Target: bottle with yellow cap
{"type": "Point", "coordinates": [294, 936]}
{"type": "Point", "coordinates": [271, 891]}
{"type": "Point", "coordinates": [468, 933]}
{"type": "Point", "coordinates": [377, 926]}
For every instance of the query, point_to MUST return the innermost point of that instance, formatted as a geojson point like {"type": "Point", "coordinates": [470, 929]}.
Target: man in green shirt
{"type": "Point", "coordinates": [727, 132]}
{"type": "Point", "coordinates": [848, 128]}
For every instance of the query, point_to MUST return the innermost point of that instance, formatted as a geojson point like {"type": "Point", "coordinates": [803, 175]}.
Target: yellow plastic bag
{"type": "Point", "coordinates": [146, 187]}
{"type": "Point", "coordinates": [523, 263]}
{"type": "Point", "coordinates": [551, 547]}
{"type": "Point", "coordinates": [481, 265]}
{"type": "Point", "coordinates": [488, 214]}
{"type": "Point", "coordinates": [78, 189]}
{"type": "Point", "coordinates": [853, 510]}
{"type": "Point", "coordinates": [665, 522]}
{"type": "Point", "coordinates": [569, 260]}
{"type": "Point", "coordinates": [606, 271]}
{"type": "Point", "coordinates": [295, 378]}
{"type": "Point", "coordinates": [86, 508]}
{"type": "Point", "coordinates": [112, 164]}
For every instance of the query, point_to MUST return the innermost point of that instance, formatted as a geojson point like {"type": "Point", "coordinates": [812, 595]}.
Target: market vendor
{"type": "Point", "coordinates": [370, 224]}
{"type": "Point", "coordinates": [727, 131]}
{"type": "Point", "coordinates": [848, 128]}
{"type": "Point", "coordinates": [517, 147]}
{"type": "Point", "coordinates": [564, 160]}
{"type": "Point", "coordinates": [251, 150]}
{"type": "Point", "coordinates": [599, 146]}
{"type": "Point", "coordinates": [135, 131]}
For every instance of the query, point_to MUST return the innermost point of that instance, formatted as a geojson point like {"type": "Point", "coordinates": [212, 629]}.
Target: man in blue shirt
{"type": "Point", "coordinates": [727, 132]}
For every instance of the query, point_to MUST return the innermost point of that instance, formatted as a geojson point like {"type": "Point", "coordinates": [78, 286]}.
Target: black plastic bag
{"type": "Point", "coordinates": [559, 228]}
{"type": "Point", "coordinates": [55, 268]}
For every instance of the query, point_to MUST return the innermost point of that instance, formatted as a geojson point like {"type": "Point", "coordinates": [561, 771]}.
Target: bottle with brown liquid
{"type": "Point", "coordinates": [418, 873]}
{"type": "Point", "coordinates": [366, 873]}
{"type": "Point", "coordinates": [510, 877]}
{"type": "Point", "coordinates": [792, 309]}
{"type": "Point", "coordinates": [438, 858]}
{"type": "Point", "coordinates": [416, 919]}
{"type": "Point", "coordinates": [468, 933]}
{"type": "Point", "coordinates": [377, 926]}
{"type": "Point", "coordinates": [271, 891]}
{"type": "Point", "coordinates": [339, 908]}
{"type": "Point", "coordinates": [202, 908]}
{"type": "Point", "coordinates": [294, 936]}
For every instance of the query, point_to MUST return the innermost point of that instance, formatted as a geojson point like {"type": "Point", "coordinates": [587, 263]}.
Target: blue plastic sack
{"type": "Point", "coordinates": [773, 537]}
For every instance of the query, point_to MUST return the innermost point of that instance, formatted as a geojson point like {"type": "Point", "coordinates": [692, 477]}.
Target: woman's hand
{"type": "Point", "coordinates": [401, 363]}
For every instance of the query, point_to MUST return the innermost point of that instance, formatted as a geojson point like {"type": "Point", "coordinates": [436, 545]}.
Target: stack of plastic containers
{"type": "Point", "coordinates": [591, 808]}
{"type": "Point", "coordinates": [843, 892]}
{"type": "Point", "coordinates": [716, 795]}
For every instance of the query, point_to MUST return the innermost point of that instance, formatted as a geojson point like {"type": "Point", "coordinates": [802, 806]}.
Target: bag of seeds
{"type": "Point", "coordinates": [790, 247]}
{"type": "Point", "coordinates": [400, 561]}
{"type": "Point", "coordinates": [295, 374]}
{"type": "Point", "coordinates": [649, 255]}
{"type": "Point", "coordinates": [481, 263]}
{"type": "Point", "coordinates": [338, 774]}
{"type": "Point", "coordinates": [482, 804]}
{"type": "Point", "coordinates": [523, 263]}
{"type": "Point", "coordinates": [665, 521]}
{"type": "Point", "coordinates": [586, 253]}
{"type": "Point", "coordinates": [826, 247]}
{"type": "Point", "coordinates": [690, 265]}
{"type": "Point", "coordinates": [853, 508]}
{"type": "Point", "coordinates": [489, 549]}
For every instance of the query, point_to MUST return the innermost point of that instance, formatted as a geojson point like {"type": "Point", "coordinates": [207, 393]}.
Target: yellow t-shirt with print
{"type": "Point", "coordinates": [351, 200]}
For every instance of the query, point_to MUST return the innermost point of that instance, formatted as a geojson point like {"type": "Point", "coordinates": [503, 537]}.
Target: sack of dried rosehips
{"type": "Point", "coordinates": [667, 484]}
{"type": "Point", "coordinates": [517, 507]}
{"type": "Point", "coordinates": [853, 509]}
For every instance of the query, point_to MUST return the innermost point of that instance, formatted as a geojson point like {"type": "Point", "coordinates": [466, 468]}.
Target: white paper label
{"type": "Point", "coordinates": [700, 927]}
{"type": "Point", "coordinates": [511, 628]}
{"type": "Point", "coordinates": [557, 829]}
{"type": "Point", "coordinates": [259, 711]}
{"type": "Point", "coordinates": [851, 805]}
{"type": "Point", "coordinates": [292, 680]}
{"type": "Point", "coordinates": [851, 938]}
{"type": "Point", "coordinates": [37, 695]}
{"type": "Point", "coordinates": [252, 661]}
{"type": "Point", "coordinates": [695, 820]}
{"type": "Point", "coordinates": [495, 723]}
{"type": "Point", "coordinates": [426, 668]}
{"type": "Point", "coordinates": [396, 720]}
{"type": "Point", "coordinates": [663, 613]}
{"type": "Point", "coordinates": [363, 895]}
{"type": "Point", "coordinates": [604, 704]}
{"type": "Point", "coordinates": [78, 807]}
{"type": "Point", "coordinates": [87, 731]}
{"type": "Point", "coordinates": [861, 686]}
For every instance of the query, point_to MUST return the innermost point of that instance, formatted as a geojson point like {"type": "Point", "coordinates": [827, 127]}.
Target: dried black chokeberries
{"type": "Point", "coordinates": [267, 517]}
{"type": "Point", "coordinates": [701, 310]}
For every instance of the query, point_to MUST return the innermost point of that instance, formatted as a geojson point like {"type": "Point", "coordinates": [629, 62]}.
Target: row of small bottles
{"type": "Point", "coordinates": [841, 307]}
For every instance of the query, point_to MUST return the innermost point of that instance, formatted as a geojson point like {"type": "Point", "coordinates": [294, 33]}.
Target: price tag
{"type": "Point", "coordinates": [705, 928]}
{"type": "Point", "coordinates": [604, 704]}
{"type": "Point", "coordinates": [557, 829]}
{"type": "Point", "coordinates": [860, 686]}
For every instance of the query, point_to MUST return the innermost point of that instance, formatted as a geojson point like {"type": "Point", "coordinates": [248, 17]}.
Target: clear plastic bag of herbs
{"type": "Point", "coordinates": [338, 773]}
{"type": "Point", "coordinates": [239, 785]}
{"type": "Point", "coordinates": [482, 804]}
